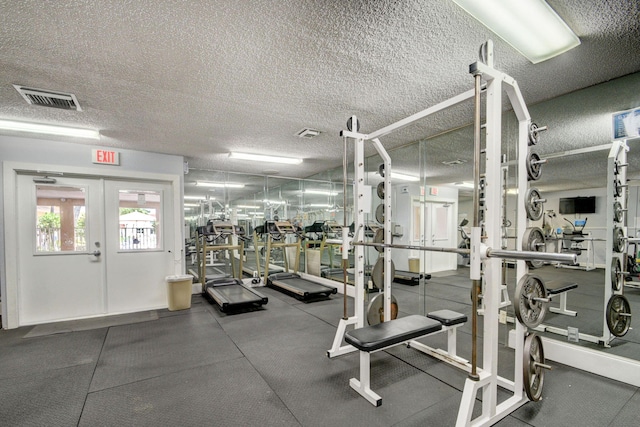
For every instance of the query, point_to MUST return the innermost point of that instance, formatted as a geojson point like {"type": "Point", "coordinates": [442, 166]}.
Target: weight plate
{"type": "Point", "coordinates": [379, 238]}
{"type": "Point", "coordinates": [617, 188]}
{"type": "Point", "coordinates": [377, 274]}
{"type": "Point", "coordinates": [350, 124]}
{"type": "Point", "coordinates": [380, 213]}
{"type": "Point", "coordinates": [529, 309]}
{"type": "Point", "coordinates": [533, 240]}
{"type": "Point", "coordinates": [617, 211]}
{"type": "Point", "coordinates": [381, 170]}
{"type": "Point", "coordinates": [375, 310]}
{"type": "Point", "coordinates": [533, 204]}
{"type": "Point", "coordinates": [617, 279]}
{"type": "Point", "coordinates": [616, 167]}
{"type": "Point", "coordinates": [618, 315]}
{"type": "Point", "coordinates": [534, 168]}
{"type": "Point", "coordinates": [380, 190]}
{"type": "Point", "coordinates": [534, 134]}
{"type": "Point", "coordinates": [618, 239]}
{"type": "Point", "coordinates": [533, 371]}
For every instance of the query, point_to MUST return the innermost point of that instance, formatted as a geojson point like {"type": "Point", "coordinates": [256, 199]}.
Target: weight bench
{"type": "Point", "coordinates": [562, 291]}
{"type": "Point", "coordinates": [394, 332]}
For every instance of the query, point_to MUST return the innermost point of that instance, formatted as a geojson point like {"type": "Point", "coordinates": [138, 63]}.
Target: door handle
{"type": "Point", "coordinates": [95, 253]}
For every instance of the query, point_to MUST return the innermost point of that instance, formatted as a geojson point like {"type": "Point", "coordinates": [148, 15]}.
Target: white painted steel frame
{"type": "Point", "coordinates": [488, 376]}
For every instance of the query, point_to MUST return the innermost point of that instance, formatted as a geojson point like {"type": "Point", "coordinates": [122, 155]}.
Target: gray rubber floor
{"type": "Point", "coordinates": [201, 367]}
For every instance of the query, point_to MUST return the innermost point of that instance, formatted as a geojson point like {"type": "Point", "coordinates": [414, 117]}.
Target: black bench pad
{"type": "Point", "coordinates": [447, 317]}
{"type": "Point", "coordinates": [562, 289]}
{"type": "Point", "coordinates": [386, 334]}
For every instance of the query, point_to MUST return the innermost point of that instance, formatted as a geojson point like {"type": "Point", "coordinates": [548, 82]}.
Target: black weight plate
{"type": "Point", "coordinates": [533, 240]}
{"type": "Point", "coordinates": [380, 190]}
{"type": "Point", "coordinates": [532, 205]}
{"type": "Point", "coordinates": [529, 311]}
{"type": "Point", "coordinates": [618, 315]}
{"type": "Point", "coordinates": [618, 239]}
{"type": "Point", "coordinates": [377, 274]}
{"type": "Point", "coordinates": [617, 278]}
{"type": "Point", "coordinates": [350, 124]}
{"type": "Point", "coordinates": [534, 169]}
{"type": "Point", "coordinates": [534, 135]}
{"type": "Point", "coordinates": [533, 373]}
{"type": "Point", "coordinates": [379, 238]}
{"type": "Point", "coordinates": [380, 213]}
{"type": "Point", "coordinates": [381, 170]}
{"type": "Point", "coordinates": [375, 310]}
{"type": "Point", "coordinates": [617, 211]}
{"type": "Point", "coordinates": [617, 188]}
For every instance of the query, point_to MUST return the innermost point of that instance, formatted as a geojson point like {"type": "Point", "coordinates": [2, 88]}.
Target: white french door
{"type": "Point", "coordinates": [89, 247]}
{"type": "Point", "coordinates": [433, 226]}
{"type": "Point", "coordinates": [139, 243]}
{"type": "Point", "coordinates": [59, 225]}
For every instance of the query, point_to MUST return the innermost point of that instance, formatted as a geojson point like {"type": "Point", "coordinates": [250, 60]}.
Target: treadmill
{"type": "Point", "coordinates": [291, 282]}
{"type": "Point", "coordinates": [303, 289]}
{"type": "Point", "coordinates": [228, 292]}
{"type": "Point", "coordinates": [410, 278]}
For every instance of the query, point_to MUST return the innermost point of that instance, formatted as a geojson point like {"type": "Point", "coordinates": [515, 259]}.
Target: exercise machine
{"type": "Point", "coordinates": [229, 292]}
{"type": "Point", "coordinates": [291, 282]}
{"type": "Point", "coordinates": [485, 261]}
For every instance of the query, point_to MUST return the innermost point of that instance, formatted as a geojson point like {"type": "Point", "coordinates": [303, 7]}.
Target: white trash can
{"type": "Point", "coordinates": [179, 291]}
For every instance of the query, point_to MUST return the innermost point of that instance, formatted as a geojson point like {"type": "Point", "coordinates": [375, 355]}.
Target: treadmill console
{"type": "Point", "coordinates": [223, 228]}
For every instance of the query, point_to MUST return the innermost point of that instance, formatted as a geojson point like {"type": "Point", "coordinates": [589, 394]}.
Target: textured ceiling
{"type": "Point", "coordinates": [202, 78]}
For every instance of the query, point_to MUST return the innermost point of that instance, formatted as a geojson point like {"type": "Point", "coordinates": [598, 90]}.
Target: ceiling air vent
{"type": "Point", "coordinates": [308, 133]}
{"type": "Point", "coordinates": [47, 98]}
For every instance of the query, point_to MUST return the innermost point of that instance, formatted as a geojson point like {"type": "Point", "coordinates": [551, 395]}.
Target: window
{"type": "Point", "coordinates": [60, 219]}
{"type": "Point", "coordinates": [140, 220]}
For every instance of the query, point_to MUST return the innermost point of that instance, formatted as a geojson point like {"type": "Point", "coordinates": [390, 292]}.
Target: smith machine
{"type": "Point", "coordinates": [485, 268]}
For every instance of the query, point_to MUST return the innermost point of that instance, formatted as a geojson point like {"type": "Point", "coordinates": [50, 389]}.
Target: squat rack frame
{"type": "Point", "coordinates": [487, 377]}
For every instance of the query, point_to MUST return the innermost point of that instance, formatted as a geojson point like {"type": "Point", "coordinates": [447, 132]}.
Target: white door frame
{"type": "Point", "coordinates": [426, 257]}
{"type": "Point", "coordinates": [10, 172]}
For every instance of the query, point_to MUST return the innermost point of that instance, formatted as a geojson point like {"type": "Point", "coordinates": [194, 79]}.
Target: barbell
{"type": "Point", "coordinates": [485, 252]}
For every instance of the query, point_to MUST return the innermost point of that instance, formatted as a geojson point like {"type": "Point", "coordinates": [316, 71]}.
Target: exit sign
{"type": "Point", "coordinates": [106, 157]}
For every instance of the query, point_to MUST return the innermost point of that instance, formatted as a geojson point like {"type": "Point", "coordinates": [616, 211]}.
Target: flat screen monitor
{"type": "Point", "coordinates": [577, 205]}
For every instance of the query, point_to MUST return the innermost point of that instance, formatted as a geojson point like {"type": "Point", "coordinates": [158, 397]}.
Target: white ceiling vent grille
{"type": "Point", "coordinates": [308, 133]}
{"type": "Point", "coordinates": [47, 98]}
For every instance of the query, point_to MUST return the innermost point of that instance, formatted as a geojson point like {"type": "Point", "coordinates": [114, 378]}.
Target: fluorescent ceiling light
{"type": "Point", "coordinates": [396, 175]}
{"type": "Point", "coordinates": [191, 205]}
{"type": "Point", "coordinates": [321, 192]}
{"type": "Point", "coordinates": [248, 207]}
{"type": "Point", "coordinates": [49, 129]}
{"type": "Point", "coordinates": [531, 27]}
{"type": "Point", "coordinates": [261, 158]}
{"type": "Point", "coordinates": [219, 184]}
{"type": "Point", "coordinates": [198, 198]}
{"type": "Point", "coordinates": [319, 205]}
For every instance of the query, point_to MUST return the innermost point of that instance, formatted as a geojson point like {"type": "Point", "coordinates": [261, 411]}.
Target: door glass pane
{"type": "Point", "coordinates": [441, 227]}
{"type": "Point", "coordinates": [140, 220]}
{"type": "Point", "coordinates": [61, 224]}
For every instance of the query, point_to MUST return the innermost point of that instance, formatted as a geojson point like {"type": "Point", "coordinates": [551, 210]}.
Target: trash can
{"type": "Point", "coordinates": [414, 265]}
{"type": "Point", "coordinates": [179, 291]}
